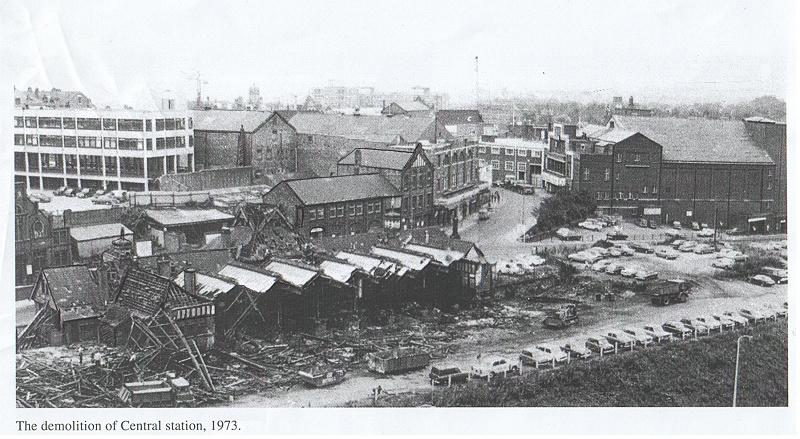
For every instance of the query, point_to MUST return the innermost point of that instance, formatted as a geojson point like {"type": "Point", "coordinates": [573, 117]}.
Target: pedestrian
{"type": "Point", "coordinates": [96, 357]}
{"type": "Point", "coordinates": [380, 390]}
{"type": "Point", "coordinates": [80, 355]}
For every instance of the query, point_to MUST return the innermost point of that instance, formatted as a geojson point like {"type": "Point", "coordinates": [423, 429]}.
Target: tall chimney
{"type": "Point", "coordinates": [630, 101]}
{"type": "Point", "coordinates": [455, 234]}
{"type": "Point", "coordinates": [189, 280]}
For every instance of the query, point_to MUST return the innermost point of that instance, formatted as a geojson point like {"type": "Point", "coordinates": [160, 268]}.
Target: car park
{"type": "Point", "coordinates": [712, 324]}
{"type": "Point", "coordinates": [753, 315]}
{"type": "Point", "coordinates": [620, 339]}
{"type": "Point", "coordinates": [447, 375]}
{"type": "Point", "coordinates": [492, 366]}
{"type": "Point", "coordinates": [677, 329]}
{"type": "Point", "coordinates": [696, 326]}
{"type": "Point", "coordinates": [641, 248]}
{"type": "Point", "coordinates": [576, 349]}
{"type": "Point", "coordinates": [600, 345]}
{"type": "Point", "coordinates": [658, 333]}
{"type": "Point", "coordinates": [643, 275]}
{"type": "Point", "coordinates": [667, 253]}
{"type": "Point", "coordinates": [762, 280]}
{"type": "Point", "coordinates": [641, 337]}
{"type": "Point", "coordinates": [736, 317]}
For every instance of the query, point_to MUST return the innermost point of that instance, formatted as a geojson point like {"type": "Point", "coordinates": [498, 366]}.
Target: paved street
{"type": "Point", "coordinates": [498, 236]}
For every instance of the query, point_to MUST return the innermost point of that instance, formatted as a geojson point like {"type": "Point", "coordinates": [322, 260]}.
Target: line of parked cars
{"type": "Point", "coordinates": [549, 355]}
{"type": "Point", "coordinates": [97, 195]}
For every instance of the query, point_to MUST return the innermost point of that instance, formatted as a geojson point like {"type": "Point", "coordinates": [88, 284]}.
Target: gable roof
{"type": "Point", "coordinates": [228, 120]}
{"type": "Point", "coordinates": [72, 287]}
{"type": "Point", "coordinates": [207, 285]}
{"type": "Point", "coordinates": [697, 140]}
{"type": "Point", "coordinates": [144, 293]}
{"type": "Point", "coordinates": [338, 271]}
{"type": "Point", "coordinates": [336, 189]}
{"type": "Point", "coordinates": [292, 273]}
{"type": "Point", "coordinates": [379, 129]}
{"type": "Point", "coordinates": [409, 105]}
{"type": "Point", "coordinates": [407, 258]}
{"type": "Point", "coordinates": [459, 117]}
{"type": "Point", "coordinates": [379, 158]}
{"type": "Point", "coordinates": [252, 278]}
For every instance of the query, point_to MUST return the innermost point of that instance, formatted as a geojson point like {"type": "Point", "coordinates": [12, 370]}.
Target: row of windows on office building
{"type": "Point", "coordinates": [449, 157]}
{"type": "Point", "coordinates": [101, 142]}
{"type": "Point", "coordinates": [58, 163]}
{"type": "Point", "coordinates": [105, 124]}
{"type": "Point", "coordinates": [509, 165]}
{"type": "Point", "coordinates": [606, 195]}
{"type": "Point", "coordinates": [510, 151]}
{"type": "Point", "coordinates": [338, 210]}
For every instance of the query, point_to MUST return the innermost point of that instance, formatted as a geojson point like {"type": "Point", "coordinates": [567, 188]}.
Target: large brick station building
{"type": "Point", "coordinates": [339, 205]}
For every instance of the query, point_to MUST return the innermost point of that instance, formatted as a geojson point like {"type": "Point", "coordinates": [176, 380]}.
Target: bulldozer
{"type": "Point", "coordinates": [561, 317]}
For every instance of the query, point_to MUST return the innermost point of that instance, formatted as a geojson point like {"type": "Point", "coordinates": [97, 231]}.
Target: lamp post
{"type": "Point", "coordinates": [736, 371]}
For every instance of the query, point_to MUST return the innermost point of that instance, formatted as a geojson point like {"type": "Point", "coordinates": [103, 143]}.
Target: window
{"type": "Point", "coordinates": [769, 173]}
{"type": "Point", "coordinates": [159, 124]}
{"type": "Point", "coordinates": [32, 140]}
{"type": "Point", "coordinates": [359, 209]}
{"type": "Point", "coordinates": [109, 124]}
{"type": "Point", "coordinates": [109, 143]}
{"type": "Point", "coordinates": [607, 195]}
{"type": "Point", "coordinates": [769, 185]}
{"type": "Point", "coordinates": [332, 212]}
{"type": "Point", "coordinates": [522, 153]}
{"type": "Point", "coordinates": [312, 214]}
{"type": "Point", "coordinates": [54, 141]}
{"type": "Point", "coordinates": [321, 213]}
{"type": "Point", "coordinates": [70, 142]}
{"type": "Point", "coordinates": [655, 190]}
{"type": "Point", "coordinates": [509, 151]}
{"type": "Point", "coordinates": [37, 229]}
{"type": "Point", "coordinates": [644, 191]}
{"type": "Point", "coordinates": [180, 142]}
{"type": "Point", "coordinates": [30, 122]}
{"type": "Point", "coordinates": [768, 205]}
{"type": "Point", "coordinates": [495, 150]}
{"type": "Point", "coordinates": [630, 195]}
{"type": "Point", "coordinates": [149, 144]}
{"type": "Point", "coordinates": [619, 157]}
{"type": "Point", "coordinates": [509, 166]}
{"type": "Point", "coordinates": [88, 142]}
{"type": "Point", "coordinates": [616, 176]}
{"type": "Point", "coordinates": [19, 139]}
{"type": "Point", "coordinates": [599, 196]}
{"type": "Point", "coordinates": [148, 125]}
{"type": "Point", "coordinates": [607, 175]}
{"type": "Point", "coordinates": [170, 142]}
{"type": "Point", "coordinates": [49, 122]}
{"type": "Point", "coordinates": [160, 142]}
{"type": "Point", "coordinates": [68, 123]}
{"type": "Point", "coordinates": [536, 153]}
{"type": "Point", "coordinates": [130, 125]}
{"type": "Point", "coordinates": [481, 150]}
{"type": "Point", "coordinates": [88, 123]}
{"type": "Point", "coordinates": [637, 157]}
{"type": "Point", "coordinates": [521, 166]}
{"type": "Point", "coordinates": [169, 124]}
{"type": "Point", "coordinates": [18, 122]}
{"type": "Point", "coordinates": [180, 124]}
{"type": "Point", "coordinates": [340, 211]}
{"type": "Point", "coordinates": [496, 164]}
{"type": "Point", "coordinates": [586, 175]}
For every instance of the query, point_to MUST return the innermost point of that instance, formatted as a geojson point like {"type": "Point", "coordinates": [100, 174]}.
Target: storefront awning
{"type": "Point", "coordinates": [757, 219]}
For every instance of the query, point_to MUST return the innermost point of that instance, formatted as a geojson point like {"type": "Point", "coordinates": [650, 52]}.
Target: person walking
{"type": "Point", "coordinates": [80, 354]}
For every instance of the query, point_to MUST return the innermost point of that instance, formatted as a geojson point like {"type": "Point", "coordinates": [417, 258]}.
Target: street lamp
{"type": "Point", "coordinates": [736, 371]}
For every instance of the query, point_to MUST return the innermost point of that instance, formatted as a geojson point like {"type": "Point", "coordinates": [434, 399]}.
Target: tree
{"type": "Point", "coordinates": [238, 103]}
{"type": "Point", "coordinates": [563, 208]}
{"type": "Point", "coordinates": [254, 101]}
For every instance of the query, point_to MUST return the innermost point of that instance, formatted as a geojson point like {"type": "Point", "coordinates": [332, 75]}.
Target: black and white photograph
{"type": "Point", "coordinates": [379, 205]}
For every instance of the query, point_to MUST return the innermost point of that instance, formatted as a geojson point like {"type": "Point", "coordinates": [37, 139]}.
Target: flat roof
{"type": "Point", "coordinates": [178, 217]}
{"type": "Point", "coordinates": [98, 231]}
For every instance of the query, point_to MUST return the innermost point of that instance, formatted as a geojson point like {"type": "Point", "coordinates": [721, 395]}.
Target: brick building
{"type": "Point", "coordinates": [462, 124]}
{"type": "Point", "coordinates": [40, 240]}
{"type": "Point", "coordinates": [230, 138]}
{"type": "Point", "coordinates": [340, 205]}
{"type": "Point", "coordinates": [513, 159]}
{"type": "Point", "coordinates": [771, 137]}
{"type": "Point", "coordinates": [409, 171]}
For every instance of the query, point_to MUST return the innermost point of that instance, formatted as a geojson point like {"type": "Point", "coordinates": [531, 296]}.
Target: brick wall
{"type": "Point", "coordinates": [206, 179]}
{"type": "Point", "coordinates": [217, 149]}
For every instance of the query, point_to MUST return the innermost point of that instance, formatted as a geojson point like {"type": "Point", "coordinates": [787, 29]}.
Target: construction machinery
{"type": "Point", "coordinates": [561, 317]}
{"type": "Point", "coordinates": [672, 291]}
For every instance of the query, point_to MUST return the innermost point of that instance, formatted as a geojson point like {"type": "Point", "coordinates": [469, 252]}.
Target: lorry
{"type": "Point", "coordinates": [168, 392]}
{"type": "Point", "coordinates": [565, 315]}
{"type": "Point", "coordinates": [397, 360]}
{"type": "Point", "coordinates": [671, 291]}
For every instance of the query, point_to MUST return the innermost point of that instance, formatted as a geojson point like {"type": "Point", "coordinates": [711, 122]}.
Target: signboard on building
{"type": "Point", "coordinates": [652, 211]}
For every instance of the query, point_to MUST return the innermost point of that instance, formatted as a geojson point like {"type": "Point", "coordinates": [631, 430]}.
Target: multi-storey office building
{"type": "Point", "coordinates": [513, 159]}
{"type": "Point", "coordinates": [112, 149]}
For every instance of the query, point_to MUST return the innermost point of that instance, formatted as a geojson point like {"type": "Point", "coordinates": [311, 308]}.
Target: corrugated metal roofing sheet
{"type": "Point", "coordinates": [250, 279]}
{"type": "Point", "coordinates": [409, 260]}
{"type": "Point", "coordinates": [338, 271]}
{"type": "Point", "coordinates": [293, 275]}
{"type": "Point", "coordinates": [442, 256]}
{"type": "Point", "coordinates": [207, 286]}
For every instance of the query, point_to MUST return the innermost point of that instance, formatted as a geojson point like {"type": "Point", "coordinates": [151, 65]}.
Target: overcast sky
{"type": "Point", "coordinates": [124, 52]}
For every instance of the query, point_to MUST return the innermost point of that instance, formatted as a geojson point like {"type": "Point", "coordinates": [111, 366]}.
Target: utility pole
{"type": "Point", "coordinates": [716, 224]}
{"type": "Point", "coordinates": [477, 86]}
{"type": "Point", "coordinates": [736, 371]}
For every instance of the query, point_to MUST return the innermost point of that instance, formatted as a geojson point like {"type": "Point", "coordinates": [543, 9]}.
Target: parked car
{"type": "Point", "coordinates": [575, 349]}
{"type": "Point", "coordinates": [641, 247]}
{"type": "Point", "coordinates": [620, 339]}
{"type": "Point", "coordinates": [676, 225]}
{"type": "Point", "coordinates": [616, 236]}
{"type": "Point", "coordinates": [706, 233]}
{"type": "Point", "coordinates": [447, 374]}
{"type": "Point", "coordinates": [724, 321]}
{"type": "Point", "coordinates": [86, 192]}
{"type": "Point", "coordinates": [723, 263]}
{"type": "Point", "coordinates": [69, 192]}
{"type": "Point", "coordinates": [643, 222]}
{"type": "Point", "coordinates": [590, 225]}
{"type": "Point", "coordinates": [753, 315]}
{"type": "Point", "coordinates": [99, 192]}
{"type": "Point", "coordinates": [768, 312]}
{"type": "Point", "coordinates": [644, 275]}
{"type": "Point", "coordinates": [711, 323]}
{"type": "Point", "coordinates": [600, 345]}
{"type": "Point", "coordinates": [667, 253]}
{"type": "Point", "coordinates": [657, 333]}
{"type": "Point", "coordinates": [736, 317]}
{"type": "Point", "coordinates": [696, 326]}
{"type": "Point", "coordinates": [626, 250]}
{"type": "Point", "coordinates": [735, 231]}
{"type": "Point", "coordinates": [641, 337]}
{"type": "Point", "coordinates": [483, 215]}
{"type": "Point", "coordinates": [703, 249]}
{"type": "Point", "coordinates": [779, 275]}
{"type": "Point", "coordinates": [103, 199]}
{"type": "Point", "coordinates": [761, 279]}
{"type": "Point", "coordinates": [542, 355]}
{"type": "Point", "coordinates": [60, 190]}
{"type": "Point", "coordinates": [677, 243]}
{"type": "Point", "coordinates": [677, 329]}
{"type": "Point", "coordinates": [492, 366]}
{"type": "Point", "coordinates": [614, 252]}
{"type": "Point", "coordinates": [566, 234]}
{"type": "Point", "coordinates": [731, 254]}
{"type": "Point", "coordinates": [119, 194]}
{"type": "Point", "coordinates": [613, 268]}
{"type": "Point", "coordinates": [695, 225]}
{"type": "Point", "coordinates": [40, 197]}
{"type": "Point", "coordinates": [629, 271]}
{"type": "Point", "coordinates": [600, 266]}
{"type": "Point", "coordinates": [687, 246]}
{"type": "Point", "coordinates": [780, 311]}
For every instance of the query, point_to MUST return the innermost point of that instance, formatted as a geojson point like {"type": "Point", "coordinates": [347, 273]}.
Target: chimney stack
{"type": "Point", "coordinates": [630, 101]}
{"type": "Point", "coordinates": [189, 280]}
{"type": "Point", "coordinates": [427, 237]}
{"type": "Point", "coordinates": [163, 267]}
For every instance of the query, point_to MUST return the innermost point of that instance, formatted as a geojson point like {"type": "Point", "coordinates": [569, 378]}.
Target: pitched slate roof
{"type": "Point", "coordinates": [698, 140]}
{"type": "Point", "coordinates": [72, 287]}
{"type": "Point", "coordinates": [364, 127]}
{"type": "Point", "coordinates": [412, 105]}
{"type": "Point", "coordinates": [379, 158]}
{"type": "Point", "coordinates": [323, 190]}
{"type": "Point", "coordinates": [180, 217]}
{"type": "Point", "coordinates": [459, 117]}
{"type": "Point", "coordinates": [228, 120]}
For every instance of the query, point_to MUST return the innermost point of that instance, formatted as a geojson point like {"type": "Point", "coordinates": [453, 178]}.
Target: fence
{"type": "Point", "coordinates": [92, 217]}
{"type": "Point", "coordinates": [160, 199]}
{"type": "Point", "coordinates": [207, 179]}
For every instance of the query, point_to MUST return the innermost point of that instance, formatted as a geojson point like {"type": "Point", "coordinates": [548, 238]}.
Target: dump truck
{"type": "Point", "coordinates": [671, 291]}
{"type": "Point", "coordinates": [565, 315]}
{"type": "Point", "coordinates": [397, 360]}
{"type": "Point", "coordinates": [167, 392]}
